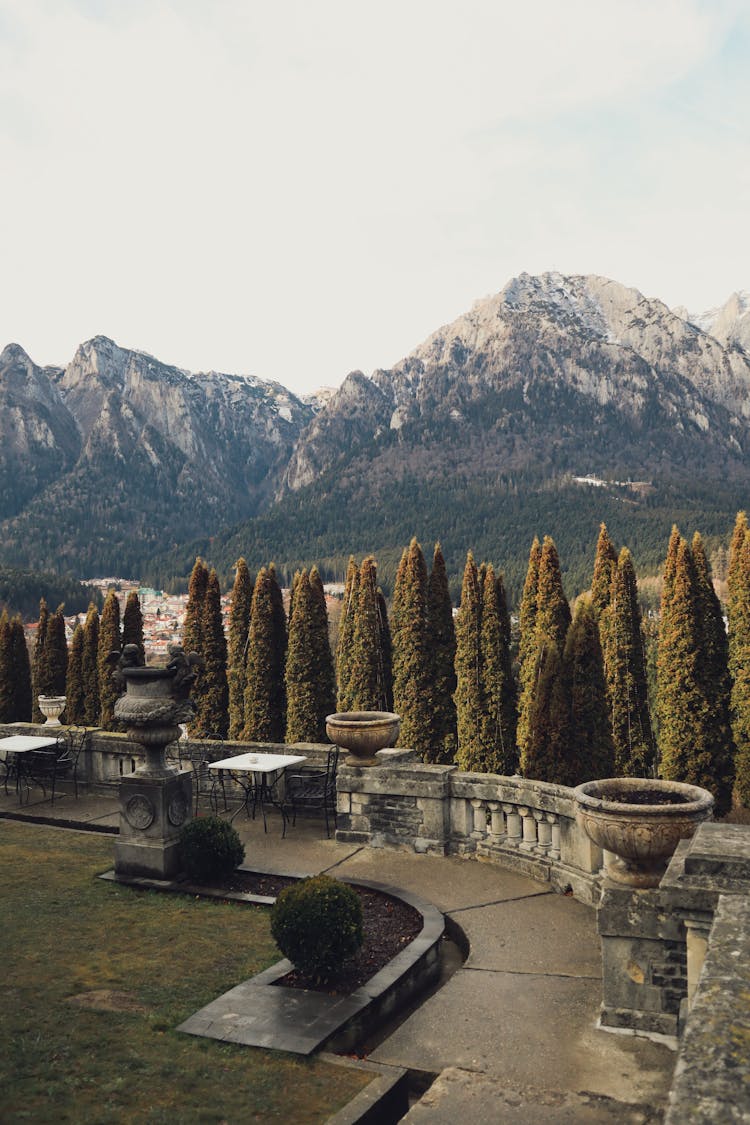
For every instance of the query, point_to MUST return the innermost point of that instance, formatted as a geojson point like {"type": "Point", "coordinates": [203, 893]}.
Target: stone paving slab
{"type": "Point", "coordinates": [450, 882]}
{"type": "Point", "coordinates": [458, 1095]}
{"type": "Point", "coordinates": [548, 934]}
{"type": "Point", "coordinates": [528, 1030]}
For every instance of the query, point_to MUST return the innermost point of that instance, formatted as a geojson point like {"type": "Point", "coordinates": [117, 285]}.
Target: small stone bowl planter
{"type": "Point", "coordinates": [52, 707]}
{"type": "Point", "coordinates": [639, 822]}
{"type": "Point", "coordinates": [363, 733]}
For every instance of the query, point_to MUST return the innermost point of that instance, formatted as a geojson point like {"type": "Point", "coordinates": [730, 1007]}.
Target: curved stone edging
{"type": "Point", "coordinates": [259, 1013]}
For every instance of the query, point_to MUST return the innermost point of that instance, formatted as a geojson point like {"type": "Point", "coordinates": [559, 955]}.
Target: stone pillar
{"type": "Point", "coordinates": [544, 831]}
{"type": "Point", "coordinates": [697, 944]}
{"type": "Point", "coordinates": [497, 828]}
{"type": "Point", "coordinates": [513, 823]}
{"type": "Point", "coordinates": [528, 844]}
{"type": "Point", "coordinates": [554, 822]}
{"type": "Point", "coordinates": [152, 811]}
{"type": "Point", "coordinates": [480, 820]}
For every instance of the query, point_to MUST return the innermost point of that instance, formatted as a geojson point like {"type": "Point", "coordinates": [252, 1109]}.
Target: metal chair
{"type": "Point", "coordinates": [315, 789]}
{"type": "Point", "coordinates": [70, 747]}
{"type": "Point", "coordinates": [207, 783]}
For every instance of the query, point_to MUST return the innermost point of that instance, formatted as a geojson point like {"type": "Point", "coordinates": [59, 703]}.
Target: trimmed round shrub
{"type": "Point", "coordinates": [211, 849]}
{"type": "Point", "coordinates": [317, 924]}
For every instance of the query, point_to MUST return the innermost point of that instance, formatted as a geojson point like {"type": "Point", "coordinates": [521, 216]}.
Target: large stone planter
{"type": "Point", "coordinates": [52, 707]}
{"type": "Point", "coordinates": [363, 733]}
{"type": "Point", "coordinates": [639, 823]}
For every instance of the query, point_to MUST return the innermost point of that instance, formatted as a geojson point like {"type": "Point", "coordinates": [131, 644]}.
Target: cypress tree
{"type": "Point", "coordinates": [368, 683]}
{"type": "Point", "coordinates": [670, 565]}
{"type": "Point", "coordinates": [321, 642]}
{"type": "Point", "coordinates": [549, 718]}
{"type": "Point", "coordinates": [303, 715]}
{"type": "Point", "coordinates": [686, 714]}
{"type": "Point", "coordinates": [605, 565]}
{"type": "Point", "coordinates": [551, 623]}
{"type": "Point", "coordinates": [75, 702]}
{"type": "Point", "coordinates": [132, 623]}
{"type": "Point", "coordinates": [212, 714]}
{"type": "Point", "coordinates": [239, 625]}
{"type": "Point", "coordinates": [734, 578]}
{"type": "Point", "coordinates": [56, 660]}
{"type": "Point", "coordinates": [498, 689]}
{"type": "Point", "coordinates": [6, 670]}
{"type": "Point", "coordinates": [411, 667]}
{"type": "Point", "coordinates": [279, 638]}
{"type": "Point", "coordinates": [589, 752]}
{"type": "Point", "coordinates": [441, 656]}
{"type": "Point", "coordinates": [21, 672]}
{"type": "Point", "coordinates": [109, 641]}
{"type": "Point", "coordinates": [264, 711]}
{"type": "Point", "coordinates": [386, 648]}
{"type": "Point", "coordinates": [469, 669]}
{"type": "Point", "coordinates": [741, 667]}
{"type": "Point", "coordinates": [192, 627]}
{"type": "Point", "coordinates": [527, 647]}
{"type": "Point", "coordinates": [624, 664]}
{"type": "Point", "coordinates": [715, 681]}
{"type": "Point", "coordinates": [89, 667]}
{"type": "Point", "coordinates": [38, 670]}
{"type": "Point", "coordinates": [346, 637]}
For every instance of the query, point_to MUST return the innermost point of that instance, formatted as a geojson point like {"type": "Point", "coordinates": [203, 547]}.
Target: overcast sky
{"type": "Point", "coordinates": [297, 188]}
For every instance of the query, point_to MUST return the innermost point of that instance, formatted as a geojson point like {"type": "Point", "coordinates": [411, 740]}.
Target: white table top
{"type": "Point", "coordinates": [256, 763]}
{"type": "Point", "coordinates": [22, 743]}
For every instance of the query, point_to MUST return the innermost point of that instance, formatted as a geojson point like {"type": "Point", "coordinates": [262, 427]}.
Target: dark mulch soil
{"type": "Point", "coordinates": [388, 924]}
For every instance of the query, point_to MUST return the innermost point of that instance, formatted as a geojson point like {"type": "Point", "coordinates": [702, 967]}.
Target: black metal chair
{"type": "Point", "coordinates": [314, 789]}
{"type": "Point", "coordinates": [70, 746]}
{"type": "Point", "coordinates": [208, 783]}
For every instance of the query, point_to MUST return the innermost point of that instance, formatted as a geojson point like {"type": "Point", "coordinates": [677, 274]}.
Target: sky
{"type": "Point", "coordinates": [299, 188]}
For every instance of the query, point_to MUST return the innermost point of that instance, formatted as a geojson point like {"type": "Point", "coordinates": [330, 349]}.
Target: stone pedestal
{"type": "Point", "coordinates": [152, 811]}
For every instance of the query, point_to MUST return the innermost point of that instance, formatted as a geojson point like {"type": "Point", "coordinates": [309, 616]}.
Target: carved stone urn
{"type": "Point", "coordinates": [155, 800]}
{"type": "Point", "coordinates": [52, 707]}
{"type": "Point", "coordinates": [639, 822]}
{"type": "Point", "coordinates": [363, 733]}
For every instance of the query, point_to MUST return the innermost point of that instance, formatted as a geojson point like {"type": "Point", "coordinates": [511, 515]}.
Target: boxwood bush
{"type": "Point", "coordinates": [211, 849]}
{"type": "Point", "coordinates": [317, 924]}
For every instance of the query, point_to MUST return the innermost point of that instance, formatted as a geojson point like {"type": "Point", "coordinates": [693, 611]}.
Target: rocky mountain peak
{"type": "Point", "coordinates": [728, 323]}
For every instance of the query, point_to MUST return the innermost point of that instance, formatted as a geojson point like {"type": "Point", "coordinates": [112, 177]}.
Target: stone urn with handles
{"type": "Point", "coordinates": [52, 707]}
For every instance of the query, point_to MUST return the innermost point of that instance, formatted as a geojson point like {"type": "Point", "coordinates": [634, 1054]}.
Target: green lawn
{"type": "Point", "coordinates": [64, 933]}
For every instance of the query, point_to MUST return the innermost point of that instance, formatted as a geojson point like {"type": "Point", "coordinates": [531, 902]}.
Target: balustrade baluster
{"type": "Point", "coordinates": [480, 820]}
{"type": "Point", "coordinates": [554, 822]}
{"type": "Point", "coordinates": [513, 825]}
{"type": "Point", "coordinates": [497, 827]}
{"type": "Point", "coordinates": [528, 844]}
{"type": "Point", "coordinates": [543, 831]}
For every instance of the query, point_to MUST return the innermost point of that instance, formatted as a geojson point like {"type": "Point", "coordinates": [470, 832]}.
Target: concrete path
{"type": "Point", "coordinates": [512, 1035]}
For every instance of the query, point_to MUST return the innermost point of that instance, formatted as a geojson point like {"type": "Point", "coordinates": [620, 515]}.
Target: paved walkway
{"type": "Point", "coordinates": [512, 1034]}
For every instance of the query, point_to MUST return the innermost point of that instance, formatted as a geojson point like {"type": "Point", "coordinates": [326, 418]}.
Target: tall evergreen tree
{"type": "Point", "coordinates": [386, 648]}
{"type": "Point", "coordinates": [212, 714]}
{"type": "Point", "coordinates": [498, 690]}
{"type": "Point", "coordinates": [346, 637]}
{"type": "Point", "coordinates": [132, 624]}
{"type": "Point", "coordinates": [441, 656]}
{"type": "Point", "coordinates": [109, 641]}
{"type": "Point", "coordinates": [264, 694]}
{"type": "Point", "coordinates": [75, 700]}
{"type": "Point", "coordinates": [527, 647]}
{"type": "Point", "coordinates": [321, 642]}
{"type": "Point", "coordinates": [740, 609]}
{"type": "Point", "coordinates": [368, 682]}
{"type": "Point", "coordinates": [624, 665]}
{"type": "Point", "coordinates": [56, 659]}
{"type": "Point", "coordinates": [734, 579]}
{"type": "Point", "coordinates": [89, 667]}
{"type": "Point", "coordinates": [6, 670]}
{"type": "Point", "coordinates": [588, 748]}
{"type": "Point", "coordinates": [551, 623]}
{"type": "Point", "coordinates": [192, 626]}
{"type": "Point", "coordinates": [670, 566]}
{"type": "Point", "coordinates": [38, 669]}
{"type": "Point", "coordinates": [21, 665]}
{"type": "Point", "coordinates": [687, 716]}
{"type": "Point", "coordinates": [549, 718]}
{"type": "Point", "coordinates": [469, 670]}
{"type": "Point", "coordinates": [280, 639]}
{"type": "Point", "coordinates": [411, 666]}
{"type": "Point", "coordinates": [239, 625]}
{"type": "Point", "coordinates": [303, 715]}
{"type": "Point", "coordinates": [717, 682]}
{"type": "Point", "coordinates": [605, 565]}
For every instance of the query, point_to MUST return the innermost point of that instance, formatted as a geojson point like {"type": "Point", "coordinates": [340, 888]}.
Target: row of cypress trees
{"type": "Point", "coordinates": [90, 695]}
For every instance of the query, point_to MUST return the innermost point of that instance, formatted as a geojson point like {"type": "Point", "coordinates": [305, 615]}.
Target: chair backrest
{"type": "Point", "coordinates": [331, 767]}
{"type": "Point", "coordinates": [74, 742]}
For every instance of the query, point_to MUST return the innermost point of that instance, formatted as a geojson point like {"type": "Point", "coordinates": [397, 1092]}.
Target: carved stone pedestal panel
{"type": "Point", "coordinates": [152, 812]}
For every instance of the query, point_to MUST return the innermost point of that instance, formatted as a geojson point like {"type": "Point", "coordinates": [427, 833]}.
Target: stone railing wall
{"type": "Point", "coordinates": [527, 825]}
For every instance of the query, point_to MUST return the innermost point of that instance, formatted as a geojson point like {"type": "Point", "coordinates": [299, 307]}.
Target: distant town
{"type": "Point", "coordinates": [164, 614]}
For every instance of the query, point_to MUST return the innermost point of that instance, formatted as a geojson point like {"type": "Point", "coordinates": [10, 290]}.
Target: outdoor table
{"type": "Point", "coordinates": [18, 745]}
{"type": "Point", "coordinates": [258, 775]}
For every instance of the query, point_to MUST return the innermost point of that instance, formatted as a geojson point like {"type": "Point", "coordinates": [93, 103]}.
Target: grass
{"type": "Point", "coordinates": [64, 933]}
